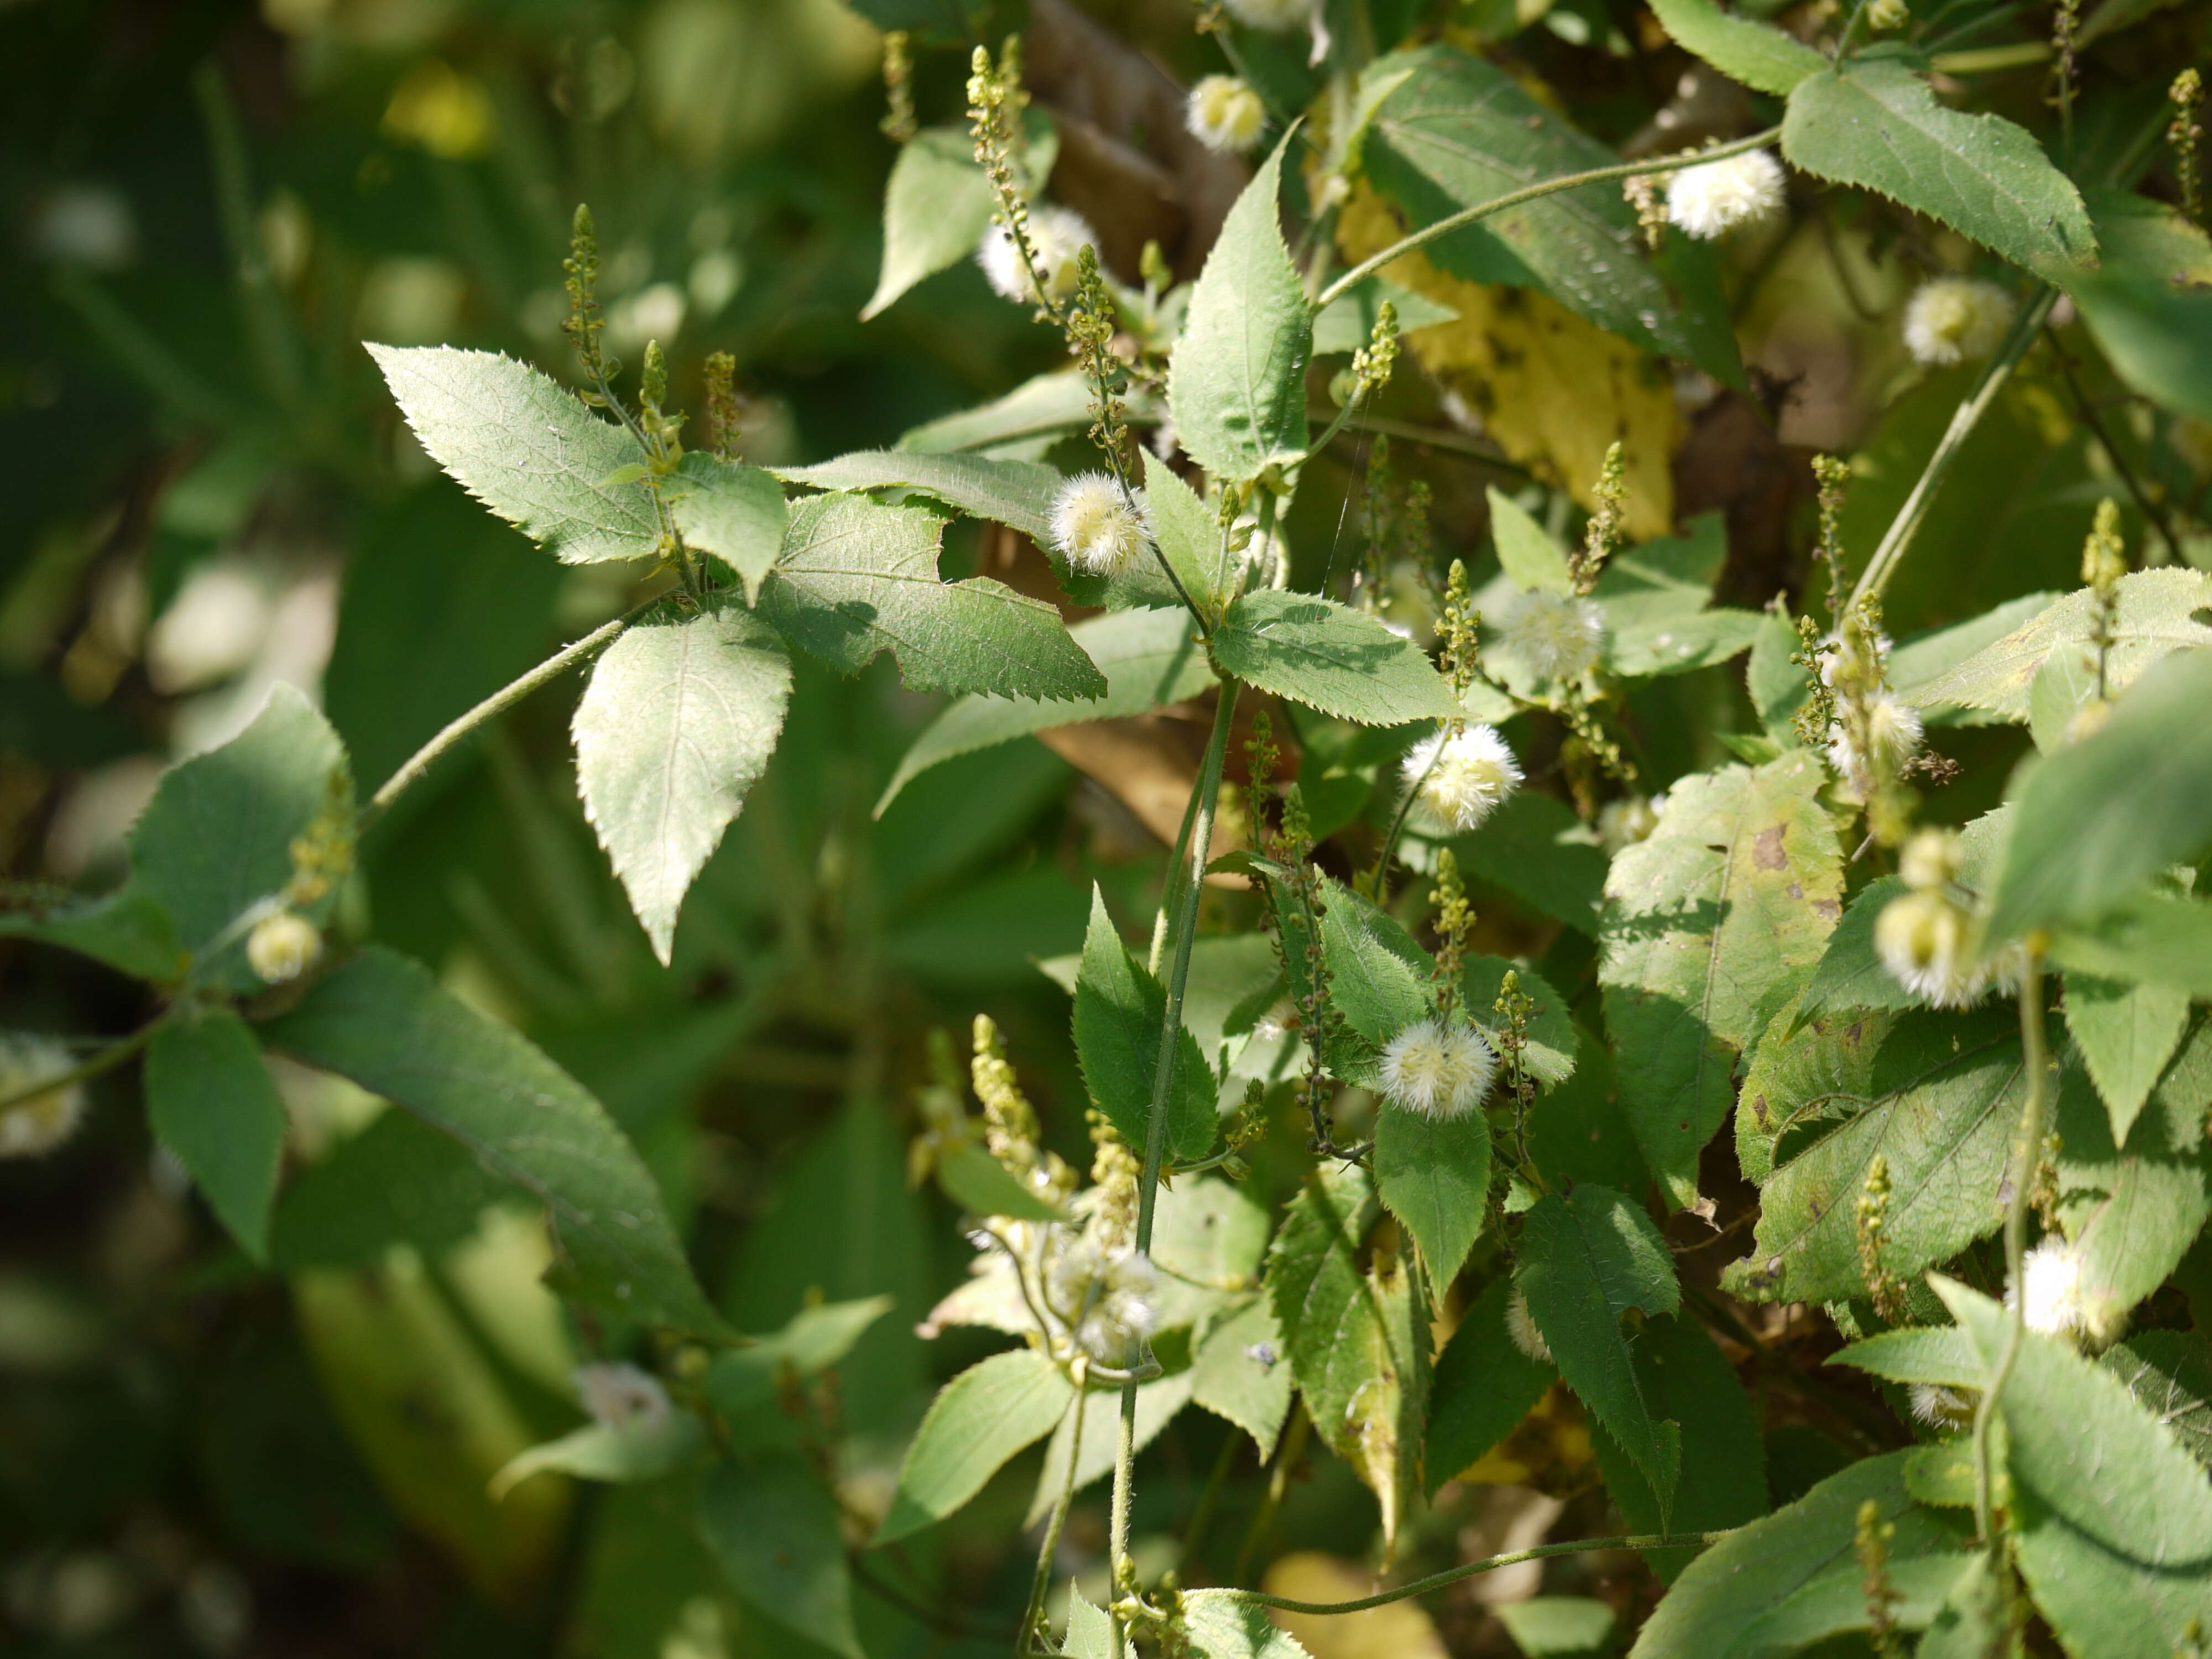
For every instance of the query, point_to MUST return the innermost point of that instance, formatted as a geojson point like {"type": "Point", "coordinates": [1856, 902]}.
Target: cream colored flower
{"type": "Point", "coordinates": [34, 1127]}
{"type": "Point", "coordinates": [1556, 635]}
{"type": "Point", "coordinates": [1226, 115]}
{"type": "Point", "coordinates": [1715, 197]}
{"type": "Point", "coordinates": [1949, 1410]}
{"type": "Point", "coordinates": [1462, 777]}
{"type": "Point", "coordinates": [283, 947]}
{"type": "Point", "coordinates": [1438, 1072]}
{"type": "Point", "coordinates": [2050, 1274]}
{"type": "Point", "coordinates": [619, 1395]}
{"type": "Point", "coordinates": [1921, 938]}
{"type": "Point", "coordinates": [1953, 319]}
{"type": "Point", "coordinates": [1893, 734]}
{"type": "Point", "coordinates": [1057, 237]}
{"type": "Point", "coordinates": [1096, 528]}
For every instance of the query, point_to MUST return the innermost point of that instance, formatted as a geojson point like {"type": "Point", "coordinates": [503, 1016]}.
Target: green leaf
{"type": "Point", "coordinates": [398, 1182]}
{"type": "Point", "coordinates": [526, 449]}
{"type": "Point", "coordinates": [1678, 648]}
{"type": "Point", "coordinates": [1552, 1040]}
{"type": "Point", "coordinates": [1665, 581]}
{"type": "Point", "coordinates": [1121, 1010]}
{"type": "Point", "coordinates": [1758, 54]}
{"type": "Point", "coordinates": [1802, 1072]}
{"type": "Point", "coordinates": [130, 931]}
{"type": "Point", "coordinates": [1559, 1626]}
{"type": "Point", "coordinates": [1207, 1238]}
{"type": "Point", "coordinates": [2170, 1374]}
{"type": "Point", "coordinates": [1874, 123]}
{"type": "Point", "coordinates": [2153, 939]}
{"type": "Point", "coordinates": [735, 511]}
{"type": "Point", "coordinates": [2132, 1209]}
{"type": "Point", "coordinates": [1158, 1402]}
{"type": "Point", "coordinates": [2156, 616]}
{"type": "Point", "coordinates": [938, 204]}
{"type": "Point", "coordinates": [1461, 132]}
{"type": "Point", "coordinates": [1018, 494]}
{"type": "Point", "coordinates": [1326, 656]}
{"type": "Point", "coordinates": [211, 1102]}
{"type": "Point", "coordinates": [1220, 1627]}
{"type": "Point", "coordinates": [216, 841]}
{"type": "Point", "coordinates": [978, 1419]}
{"type": "Point", "coordinates": [1584, 1260]}
{"type": "Point", "coordinates": [1788, 1580]}
{"type": "Point", "coordinates": [1944, 1101]}
{"type": "Point", "coordinates": [1737, 888]}
{"type": "Point", "coordinates": [676, 726]}
{"type": "Point", "coordinates": [1024, 422]}
{"type": "Point", "coordinates": [1531, 560]}
{"type": "Point", "coordinates": [1920, 662]}
{"type": "Point", "coordinates": [2097, 820]}
{"type": "Point", "coordinates": [1434, 1176]}
{"type": "Point", "coordinates": [1090, 1629]}
{"type": "Point", "coordinates": [383, 1022]}
{"type": "Point", "coordinates": [1359, 1342]}
{"type": "Point", "coordinates": [1940, 1354]}
{"type": "Point", "coordinates": [1536, 849]}
{"type": "Point", "coordinates": [1238, 1372]}
{"type": "Point", "coordinates": [857, 579]}
{"type": "Point", "coordinates": [1150, 659]}
{"type": "Point", "coordinates": [2114, 1519]}
{"type": "Point", "coordinates": [1190, 538]}
{"type": "Point", "coordinates": [774, 1527]}
{"type": "Point", "coordinates": [1238, 380]}
{"type": "Point", "coordinates": [748, 1379]}
{"type": "Point", "coordinates": [1347, 322]}
{"type": "Point", "coordinates": [643, 1448]}
{"type": "Point", "coordinates": [1485, 1386]}
{"type": "Point", "coordinates": [982, 1185]}
{"type": "Point", "coordinates": [2126, 1033]}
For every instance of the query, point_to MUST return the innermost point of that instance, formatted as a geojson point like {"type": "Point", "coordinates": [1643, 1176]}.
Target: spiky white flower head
{"type": "Point", "coordinates": [1556, 635]}
{"type": "Point", "coordinates": [1225, 114]}
{"type": "Point", "coordinates": [283, 947]}
{"type": "Point", "coordinates": [34, 1127]}
{"type": "Point", "coordinates": [1096, 528]}
{"type": "Point", "coordinates": [1113, 1309]}
{"type": "Point", "coordinates": [1893, 735]}
{"type": "Point", "coordinates": [1462, 775]}
{"type": "Point", "coordinates": [1438, 1071]}
{"type": "Point", "coordinates": [1714, 198]}
{"type": "Point", "coordinates": [1921, 938]}
{"type": "Point", "coordinates": [1953, 319]}
{"type": "Point", "coordinates": [2050, 1289]}
{"type": "Point", "coordinates": [1276, 17]}
{"type": "Point", "coordinates": [1625, 823]}
{"type": "Point", "coordinates": [1932, 860]}
{"type": "Point", "coordinates": [1521, 1329]}
{"type": "Point", "coordinates": [620, 1394]}
{"type": "Point", "coordinates": [1057, 236]}
{"type": "Point", "coordinates": [1948, 1411]}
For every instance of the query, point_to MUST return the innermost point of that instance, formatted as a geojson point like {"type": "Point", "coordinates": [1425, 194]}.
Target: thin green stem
{"type": "Point", "coordinates": [1042, 1582]}
{"type": "Point", "coordinates": [1968, 415]}
{"type": "Point", "coordinates": [412, 770]}
{"type": "Point", "coordinates": [268, 325]}
{"type": "Point", "coordinates": [1687, 1540]}
{"type": "Point", "coordinates": [1155, 1127]}
{"type": "Point", "coordinates": [106, 1060]}
{"type": "Point", "coordinates": [1451, 222]}
{"type": "Point", "coordinates": [2027, 1153]}
{"type": "Point", "coordinates": [1164, 920]}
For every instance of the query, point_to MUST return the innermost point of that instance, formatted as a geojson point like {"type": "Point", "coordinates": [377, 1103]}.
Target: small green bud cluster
{"type": "Point", "coordinates": [1872, 1221]}
{"type": "Point", "coordinates": [2187, 135]}
{"type": "Point", "coordinates": [898, 123]}
{"type": "Point", "coordinates": [1604, 532]}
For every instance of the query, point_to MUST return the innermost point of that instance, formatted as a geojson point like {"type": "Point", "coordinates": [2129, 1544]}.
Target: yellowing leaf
{"type": "Point", "coordinates": [1399, 1630]}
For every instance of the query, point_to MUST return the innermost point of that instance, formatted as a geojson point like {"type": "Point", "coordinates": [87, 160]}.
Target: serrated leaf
{"type": "Point", "coordinates": [1238, 1371]}
{"type": "Point", "coordinates": [1159, 1401]}
{"type": "Point", "coordinates": [676, 726]}
{"type": "Point", "coordinates": [1942, 1355]}
{"type": "Point", "coordinates": [937, 203]}
{"type": "Point", "coordinates": [857, 579]}
{"type": "Point", "coordinates": [2153, 939]}
{"type": "Point", "coordinates": [130, 931]}
{"type": "Point", "coordinates": [1150, 659]}
{"type": "Point", "coordinates": [980, 1418]}
{"type": "Point", "coordinates": [1802, 1071]}
{"type": "Point", "coordinates": [211, 1102]}
{"type": "Point", "coordinates": [1220, 1627]}
{"type": "Point", "coordinates": [1090, 1629]}
{"type": "Point", "coordinates": [1024, 423]}
{"type": "Point", "coordinates": [1584, 1260]}
{"type": "Point", "coordinates": [1531, 560]}
{"type": "Point", "coordinates": [1434, 1176]}
{"type": "Point", "coordinates": [1945, 1097]}
{"type": "Point", "coordinates": [751, 1378]}
{"type": "Point", "coordinates": [1536, 849]}
{"type": "Point", "coordinates": [528, 450]}
{"type": "Point", "coordinates": [1758, 54]}
{"type": "Point", "coordinates": [1926, 660]}
{"type": "Point", "coordinates": [1347, 322]}
{"type": "Point", "coordinates": [735, 511]}
{"type": "Point", "coordinates": [2126, 1033]}
{"type": "Point", "coordinates": [1121, 1010]}
{"type": "Point", "coordinates": [2170, 1374]}
{"type": "Point", "coordinates": [2131, 1209]}
{"type": "Point", "coordinates": [2096, 821]}
{"type": "Point", "coordinates": [1190, 538]}
{"type": "Point", "coordinates": [1485, 1386]}
{"type": "Point", "coordinates": [1737, 888]}
{"type": "Point", "coordinates": [1238, 381]}
{"type": "Point", "coordinates": [1874, 123]}
{"type": "Point", "coordinates": [383, 1022]}
{"type": "Point", "coordinates": [773, 1527]}
{"type": "Point", "coordinates": [1329, 657]}
{"type": "Point", "coordinates": [1018, 494]}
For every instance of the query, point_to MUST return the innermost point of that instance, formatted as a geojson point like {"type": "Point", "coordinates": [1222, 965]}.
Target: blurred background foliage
{"type": "Point", "coordinates": [207, 207]}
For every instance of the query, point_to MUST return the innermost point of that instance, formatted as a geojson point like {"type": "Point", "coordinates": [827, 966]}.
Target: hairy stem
{"type": "Point", "coordinates": [106, 1060]}
{"type": "Point", "coordinates": [1687, 1540]}
{"type": "Point", "coordinates": [1451, 222]}
{"type": "Point", "coordinates": [1155, 1127]}
{"type": "Point", "coordinates": [2026, 1153]}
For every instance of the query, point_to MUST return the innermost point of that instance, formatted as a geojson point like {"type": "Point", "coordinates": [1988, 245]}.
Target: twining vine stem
{"type": "Point", "coordinates": [1686, 1541]}
{"type": "Point", "coordinates": [1155, 1127]}
{"type": "Point", "coordinates": [1452, 222]}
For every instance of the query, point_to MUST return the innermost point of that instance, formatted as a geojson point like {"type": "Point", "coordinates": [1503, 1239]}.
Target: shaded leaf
{"type": "Point", "coordinates": [2170, 1374]}
{"type": "Point", "coordinates": [1485, 1386]}
{"type": "Point", "coordinates": [211, 1102]}
{"type": "Point", "coordinates": [642, 1449]}
{"type": "Point", "coordinates": [1159, 1401]}
{"type": "Point", "coordinates": [1121, 1010]}
{"type": "Point", "coordinates": [2126, 1033]}
{"type": "Point", "coordinates": [773, 1527]}
{"type": "Point", "coordinates": [1434, 1176]}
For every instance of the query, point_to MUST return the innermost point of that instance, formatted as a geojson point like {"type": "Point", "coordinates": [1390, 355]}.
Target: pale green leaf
{"type": "Point", "coordinates": [1347, 322]}
{"type": "Point", "coordinates": [2153, 939]}
{"type": "Point", "coordinates": [1663, 580]}
{"type": "Point", "coordinates": [1559, 1626]}
{"type": "Point", "coordinates": [211, 1102]}
{"type": "Point", "coordinates": [1090, 1629]}
{"type": "Point", "coordinates": [735, 511]}
{"type": "Point", "coordinates": [1678, 648]}
{"type": "Point", "coordinates": [1326, 656]}
{"type": "Point", "coordinates": [1209, 1236]}
{"type": "Point", "coordinates": [1920, 662]}
{"type": "Point", "coordinates": [1584, 1260]}
{"type": "Point", "coordinates": [643, 1448]}
{"type": "Point", "coordinates": [1758, 54]}
{"type": "Point", "coordinates": [1434, 1176]}
{"type": "Point", "coordinates": [1238, 380]}
{"type": "Point", "coordinates": [982, 1185]}
{"type": "Point", "coordinates": [1737, 888]}
{"type": "Point", "coordinates": [2126, 1033]}
{"type": "Point", "coordinates": [1530, 558]}
{"type": "Point", "coordinates": [1093, 1452]}
{"type": "Point", "coordinates": [978, 1419]}
{"type": "Point", "coordinates": [1802, 1072]}
{"type": "Point", "coordinates": [1238, 1371]}
{"type": "Point", "coordinates": [1485, 1386]}
{"type": "Point", "coordinates": [773, 1527]}
{"type": "Point", "coordinates": [676, 726]}
{"type": "Point", "coordinates": [2170, 1374]}
{"type": "Point", "coordinates": [1536, 849]}
{"type": "Point", "coordinates": [1120, 1009]}
{"type": "Point", "coordinates": [937, 203]}
{"type": "Point", "coordinates": [1874, 123]}
{"type": "Point", "coordinates": [857, 579]}
{"type": "Point", "coordinates": [747, 1378]}
{"type": "Point", "coordinates": [527, 450]}
{"type": "Point", "coordinates": [2131, 1209]}
{"type": "Point", "coordinates": [2155, 331]}
{"type": "Point", "coordinates": [1018, 494]}
{"type": "Point", "coordinates": [1025, 422]}
{"type": "Point", "coordinates": [1190, 538]}
{"type": "Point", "coordinates": [1942, 1355]}
{"type": "Point", "coordinates": [1220, 1627]}
{"type": "Point", "coordinates": [383, 1022]}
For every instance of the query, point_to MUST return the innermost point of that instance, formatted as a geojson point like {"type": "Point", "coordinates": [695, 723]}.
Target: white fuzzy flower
{"type": "Point", "coordinates": [2051, 1274]}
{"type": "Point", "coordinates": [1438, 1072]}
{"type": "Point", "coordinates": [1714, 198]}
{"type": "Point", "coordinates": [1057, 236]}
{"type": "Point", "coordinates": [1096, 527]}
{"type": "Point", "coordinates": [619, 1394]}
{"type": "Point", "coordinates": [1108, 1302]}
{"type": "Point", "coordinates": [1225, 114]}
{"type": "Point", "coordinates": [1949, 1410]}
{"type": "Point", "coordinates": [1921, 938]}
{"type": "Point", "coordinates": [1462, 776]}
{"type": "Point", "coordinates": [1521, 1329]}
{"type": "Point", "coordinates": [1275, 16]}
{"type": "Point", "coordinates": [35, 1127]}
{"type": "Point", "coordinates": [1893, 734]}
{"type": "Point", "coordinates": [1955, 318]}
{"type": "Point", "coordinates": [1626, 821]}
{"type": "Point", "coordinates": [283, 947]}
{"type": "Point", "coordinates": [1556, 635]}
{"type": "Point", "coordinates": [1932, 860]}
